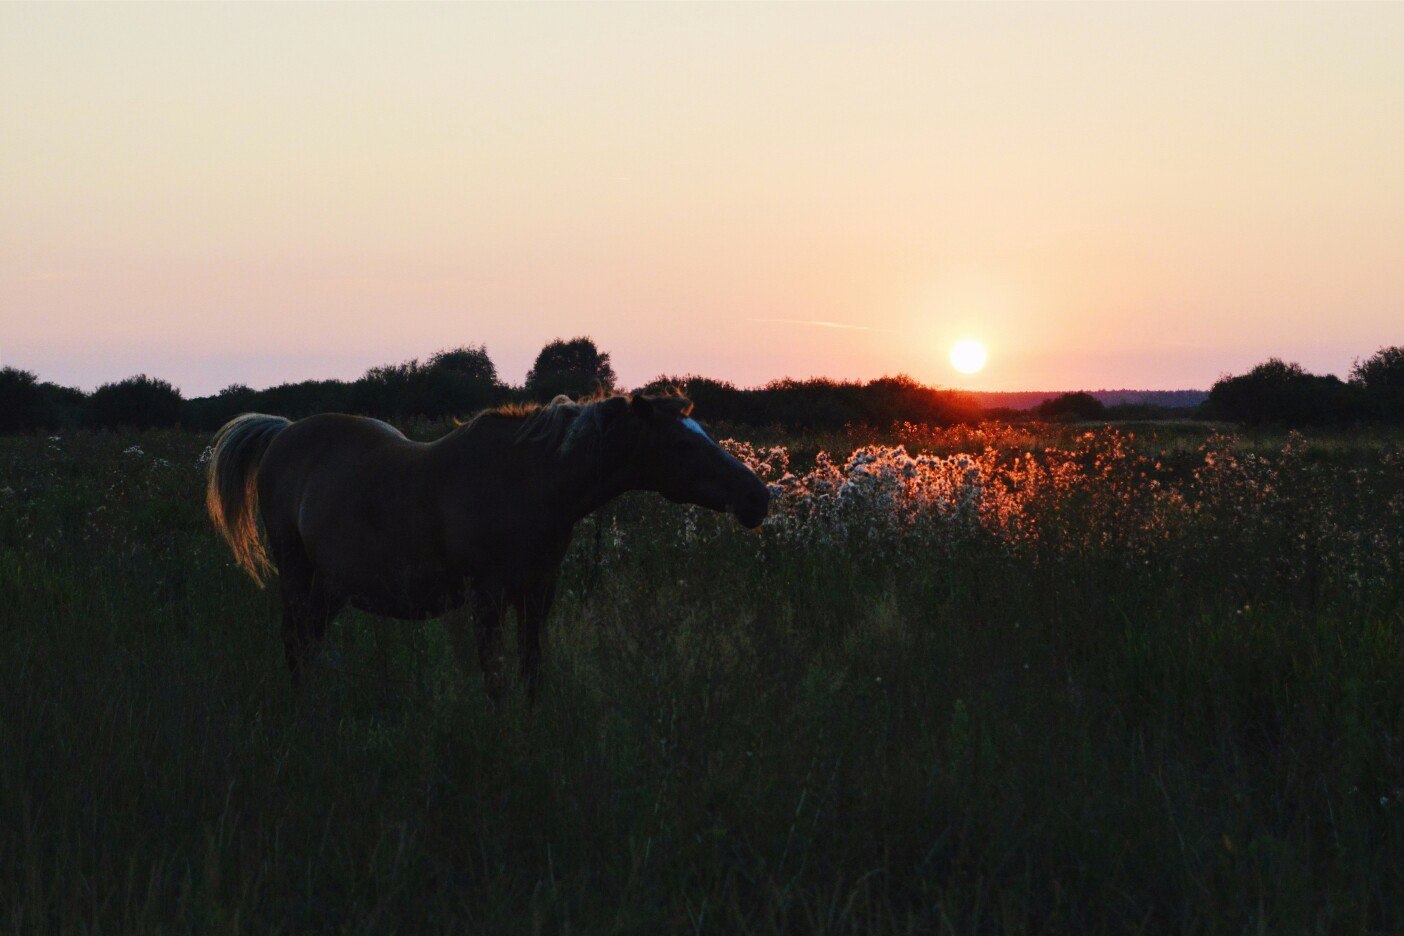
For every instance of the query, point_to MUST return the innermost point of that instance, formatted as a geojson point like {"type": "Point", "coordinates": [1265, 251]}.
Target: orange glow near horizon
{"type": "Point", "coordinates": [1140, 196]}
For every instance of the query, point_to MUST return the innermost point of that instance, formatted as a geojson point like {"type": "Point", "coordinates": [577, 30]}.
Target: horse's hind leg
{"type": "Point", "coordinates": [306, 616]}
{"type": "Point", "coordinates": [308, 608]}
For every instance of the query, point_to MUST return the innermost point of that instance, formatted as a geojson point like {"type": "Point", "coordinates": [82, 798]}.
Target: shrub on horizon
{"type": "Point", "coordinates": [1380, 379]}
{"type": "Point", "coordinates": [139, 402]}
{"type": "Point", "coordinates": [575, 368]}
{"type": "Point", "coordinates": [1282, 393]}
{"type": "Point", "coordinates": [20, 400]}
{"type": "Point", "coordinates": [1071, 407]}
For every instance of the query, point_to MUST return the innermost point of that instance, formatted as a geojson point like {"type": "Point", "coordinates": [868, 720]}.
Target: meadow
{"type": "Point", "coordinates": [1000, 679]}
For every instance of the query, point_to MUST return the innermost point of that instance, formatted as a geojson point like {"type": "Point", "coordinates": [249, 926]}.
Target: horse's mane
{"type": "Point", "coordinates": [560, 426]}
{"type": "Point", "coordinates": [566, 425]}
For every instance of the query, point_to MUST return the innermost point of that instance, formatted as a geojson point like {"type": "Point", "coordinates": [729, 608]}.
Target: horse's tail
{"type": "Point", "coordinates": [231, 493]}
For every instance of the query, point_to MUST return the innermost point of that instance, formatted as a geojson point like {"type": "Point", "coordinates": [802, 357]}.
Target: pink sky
{"type": "Point", "coordinates": [1106, 195]}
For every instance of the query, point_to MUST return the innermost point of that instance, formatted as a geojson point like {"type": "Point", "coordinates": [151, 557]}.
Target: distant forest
{"type": "Point", "coordinates": [1029, 399]}
{"type": "Point", "coordinates": [456, 383]}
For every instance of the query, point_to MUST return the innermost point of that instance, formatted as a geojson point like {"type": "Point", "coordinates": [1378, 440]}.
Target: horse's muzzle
{"type": "Point", "coordinates": [751, 511]}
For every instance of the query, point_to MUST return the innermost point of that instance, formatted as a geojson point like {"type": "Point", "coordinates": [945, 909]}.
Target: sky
{"type": "Point", "coordinates": [1108, 195]}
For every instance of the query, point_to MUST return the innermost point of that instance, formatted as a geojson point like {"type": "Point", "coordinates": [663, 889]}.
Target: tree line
{"type": "Point", "coordinates": [461, 381]}
{"type": "Point", "coordinates": [1278, 392]}
{"type": "Point", "coordinates": [1273, 393]}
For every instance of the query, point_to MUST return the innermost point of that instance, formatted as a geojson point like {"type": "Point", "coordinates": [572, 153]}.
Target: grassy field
{"type": "Point", "coordinates": [1042, 680]}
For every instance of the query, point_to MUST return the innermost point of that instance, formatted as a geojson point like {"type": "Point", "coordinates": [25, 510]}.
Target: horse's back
{"type": "Point", "coordinates": [328, 444]}
{"type": "Point", "coordinates": [341, 482]}
{"type": "Point", "coordinates": [340, 430]}
{"type": "Point", "coordinates": [397, 526]}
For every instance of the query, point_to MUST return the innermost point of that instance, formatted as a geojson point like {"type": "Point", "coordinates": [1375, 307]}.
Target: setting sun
{"type": "Point", "coordinates": [968, 356]}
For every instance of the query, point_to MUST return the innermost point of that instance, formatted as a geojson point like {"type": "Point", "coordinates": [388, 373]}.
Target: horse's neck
{"type": "Point", "coordinates": [575, 484]}
{"type": "Point", "coordinates": [587, 484]}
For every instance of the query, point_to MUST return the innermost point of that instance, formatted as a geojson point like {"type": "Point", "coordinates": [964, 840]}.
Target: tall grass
{"type": "Point", "coordinates": [1160, 690]}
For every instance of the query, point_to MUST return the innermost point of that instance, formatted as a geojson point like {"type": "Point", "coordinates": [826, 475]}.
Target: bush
{"type": "Point", "coordinates": [214, 411]}
{"type": "Point", "coordinates": [714, 399]}
{"type": "Point", "coordinates": [451, 382]}
{"type": "Point", "coordinates": [1281, 393]}
{"type": "Point", "coordinates": [820, 402]}
{"type": "Point", "coordinates": [21, 403]}
{"type": "Point", "coordinates": [469, 362]}
{"type": "Point", "coordinates": [306, 397]}
{"type": "Point", "coordinates": [1380, 380]}
{"type": "Point", "coordinates": [576, 368]}
{"type": "Point", "coordinates": [139, 402]}
{"type": "Point", "coordinates": [60, 407]}
{"type": "Point", "coordinates": [1071, 407]}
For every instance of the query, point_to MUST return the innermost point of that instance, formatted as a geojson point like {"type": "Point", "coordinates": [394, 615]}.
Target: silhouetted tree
{"type": "Point", "coordinates": [1380, 379]}
{"type": "Point", "coordinates": [574, 367]}
{"type": "Point", "coordinates": [61, 407]}
{"type": "Point", "coordinates": [21, 402]}
{"type": "Point", "coordinates": [716, 400]}
{"type": "Point", "coordinates": [903, 399]}
{"type": "Point", "coordinates": [1071, 406]}
{"type": "Point", "coordinates": [139, 402]}
{"type": "Point", "coordinates": [1278, 392]}
{"type": "Point", "coordinates": [819, 402]}
{"type": "Point", "coordinates": [470, 361]}
{"type": "Point", "coordinates": [390, 390]}
{"type": "Point", "coordinates": [211, 412]}
{"type": "Point", "coordinates": [306, 397]}
{"type": "Point", "coordinates": [456, 381]}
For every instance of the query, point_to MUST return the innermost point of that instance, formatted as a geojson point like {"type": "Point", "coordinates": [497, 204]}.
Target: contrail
{"type": "Point", "coordinates": [818, 323]}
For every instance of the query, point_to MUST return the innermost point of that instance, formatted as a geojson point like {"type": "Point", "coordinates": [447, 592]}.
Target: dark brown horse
{"type": "Point", "coordinates": [468, 525]}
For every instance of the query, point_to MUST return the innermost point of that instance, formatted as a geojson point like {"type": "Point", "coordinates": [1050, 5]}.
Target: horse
{"type": "Point", "coordinates": [462, 528]}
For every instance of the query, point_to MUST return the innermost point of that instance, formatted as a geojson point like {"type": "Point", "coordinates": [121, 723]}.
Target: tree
{"type": "Point", "coordinates": [211, 412]}
{"type": "Point", "coordinates": [575, 368]}
{"type": "Point", "coordinates": [21, 402]}
{"type": "Point", "coordinates": [715, 399]}
{"type": "Point", "coordinates": [1279, 392]}
{"type": "Point", "coordinates": [455, 381]}
{"type": "Point", "coordinates": [60, 407]}
{"type": "Point", "coordinates": [901, 398]}
{"type": "Point", "coordinates": [139, 402]}
{"type": "Point", "coordinates": [1071, 406]}
{"type": "Point", "coordinates": [469, 361]}
{"type": "Point", "coordinates": [1380, 378]}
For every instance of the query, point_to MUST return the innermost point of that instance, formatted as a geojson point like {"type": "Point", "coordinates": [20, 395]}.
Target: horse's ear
{"type": "Point", "coordinates": [674, 403]}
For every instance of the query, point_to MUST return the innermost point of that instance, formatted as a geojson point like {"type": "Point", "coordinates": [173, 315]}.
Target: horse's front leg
{"type": "Point", "coordinates": [484, 609]}
{"type": "Point", "coordinates": [532, 610]}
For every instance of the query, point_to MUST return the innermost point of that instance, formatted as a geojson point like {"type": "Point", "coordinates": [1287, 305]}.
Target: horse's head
{"type": "Point", "coordinates": [675, 457]}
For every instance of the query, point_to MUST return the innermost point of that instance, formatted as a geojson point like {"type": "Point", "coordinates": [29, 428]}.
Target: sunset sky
{"type": "Point", "coordinates": [1105, 196]}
